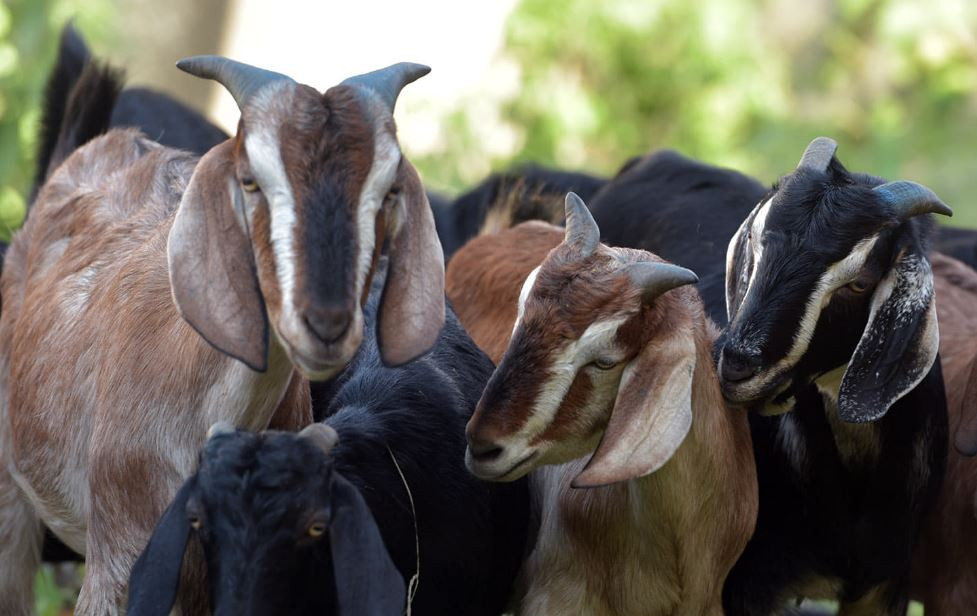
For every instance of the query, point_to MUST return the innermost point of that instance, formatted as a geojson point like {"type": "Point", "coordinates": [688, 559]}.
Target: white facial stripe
{"type": "Point", "coordinates": [386, 158]}
{"type": "Point", "coordinates": [838, 274]}
{"type": "Point", "coordinates": [563, 370]}
{"type": "Point", "coordinates": [755, 243]}
{"type": "Point", "coordinates": [264, 152]}
{"type": "Point", "coordinates": [527, 286]}
{"type": "Point", "coordinates": [731, 249]}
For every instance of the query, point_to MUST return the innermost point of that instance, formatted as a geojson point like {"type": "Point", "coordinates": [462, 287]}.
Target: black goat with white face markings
{"type": "Point", "coordinates": [830, 273]}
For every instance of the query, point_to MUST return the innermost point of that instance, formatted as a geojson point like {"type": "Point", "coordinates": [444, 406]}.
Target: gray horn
{"type": "Point", "coordinates": [655, 278]}
{"type": "Point", "coordinates": [241, 80]}
{"type": "Point", "coordinates": [909, 199]}
{"type": "Point", "coordinates": [818, 154]}
{"type": "Point", "coordinates": [387, 83]}
{"type": "Point", "coordinates": [582, 233]}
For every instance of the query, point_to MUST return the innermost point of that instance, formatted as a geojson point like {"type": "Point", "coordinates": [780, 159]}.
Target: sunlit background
{"type": "Point", "coordinates": [578, 84]}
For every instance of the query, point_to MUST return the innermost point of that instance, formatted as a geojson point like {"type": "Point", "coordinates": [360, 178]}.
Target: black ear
{"type": "Point", "coordinates": [367, 582]}
{"type": "Point", "coordinates": [156, 575]}
{"type": "Point", "coordinates": [899, 344]}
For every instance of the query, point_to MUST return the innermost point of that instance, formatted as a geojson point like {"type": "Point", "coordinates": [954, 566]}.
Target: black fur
{"type": "Point", "coordinates": [166, 120]}
{"type": "Point", "coordinates": [459, 221]}
{"type": "Point", "coordinates": [255, 492]}
{"type": "Point", "coordinates": [683, 211]}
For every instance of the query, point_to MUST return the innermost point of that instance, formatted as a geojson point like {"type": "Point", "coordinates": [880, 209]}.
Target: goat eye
{"type": "Point", "coordinates": [249, 184]}
{"type": "Point", "coordinates": [391, 198]}
{"type": "Point", "coordinates": [195, 522]}
{"type": "Point", "coordinates": [604, 364]}
{"type": "Point", "coordinates": [317, 529]}
{"type": "Point", "coordinates": [857, 286]}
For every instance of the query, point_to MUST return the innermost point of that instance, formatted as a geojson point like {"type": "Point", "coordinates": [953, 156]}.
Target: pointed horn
{"type": "Point", "coordinates": [387, 83]}
{"type": "Point", "coordinates": [321, 435]}
{"type": "Point", "coordinates": [656, 278]}
{"type": "Point", "coordinates": [582, 232]}
{"type": "Point", "coordinates": [909, 199]}
{"type": "Point", "coordinates": [241, 80]}
{"type": "Point", "coordinates": [818, 154]}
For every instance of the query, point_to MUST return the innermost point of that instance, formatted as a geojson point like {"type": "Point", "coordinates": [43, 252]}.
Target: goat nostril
{"type": "Point", "coordinates": [738, 367]}
{"type": "Point", "coordinates": [328, 323]}
{"type": "Point", "coordinates": [484, 452]}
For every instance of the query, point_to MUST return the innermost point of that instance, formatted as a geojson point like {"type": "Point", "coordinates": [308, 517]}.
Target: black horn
{"type": "Point", "coordinates": [818, 154]}
{"type": "Point", "coordinates": [656, 278]}
{"type": "Point", "coordinates": [582, 233]}
{"type": "Point", "coordinates": [387, 83]}
{"type": "Point", "coordinates": [909, 199]}
{"type": "Point", "coordinates": [241, 80]}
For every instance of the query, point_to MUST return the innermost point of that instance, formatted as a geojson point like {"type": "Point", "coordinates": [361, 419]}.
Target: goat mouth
{"type": "Point", "coordinates": [512, 473]}
{"type": "Point", "coordinates": [746, 392]}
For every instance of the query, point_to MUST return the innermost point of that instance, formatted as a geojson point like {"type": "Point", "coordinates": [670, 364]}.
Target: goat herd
{"type": "Point", "coordinates": [231, 380]}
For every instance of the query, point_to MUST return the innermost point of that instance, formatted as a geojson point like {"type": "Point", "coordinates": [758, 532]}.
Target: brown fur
{"type": "Point", "coordinates": [646, 545]}
{"type": "Point", "coordinates": [945, 557]}
{"type": "Point", "coordinates": [108, 393]}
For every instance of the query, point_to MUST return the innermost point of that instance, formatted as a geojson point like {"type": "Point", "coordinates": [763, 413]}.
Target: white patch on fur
{"type": "Point", "coordinates": [383, 171]}
{"type": "Point", "coordinates": [791, 440]}
{"type": "Point", "coordinates": [527, 287]}
{"type": "Point", "coordinates": [731, 273]}
{"type": "Point", "coordinates": [755, 241]}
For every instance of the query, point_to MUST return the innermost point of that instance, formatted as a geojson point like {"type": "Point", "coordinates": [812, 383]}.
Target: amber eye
{"type": "Point", "coordinates": [857, 286]}
{"type": "Point", "coordinates": [249, 185]}
{"type": "Point", "coordinates": [195, 522]}
{"type": "Point", "coordinates": [604, 364]}
{"type": "Point", "coordinates": [316, 529]}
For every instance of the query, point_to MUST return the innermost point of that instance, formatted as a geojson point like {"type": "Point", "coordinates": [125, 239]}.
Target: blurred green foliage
{"type": "Point", "coordinates": [741, 83]}
{"type": "Point", "coordinates": [29, 32]}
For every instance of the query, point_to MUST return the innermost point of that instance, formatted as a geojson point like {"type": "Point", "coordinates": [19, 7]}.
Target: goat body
{"type": "Point", "coordinates": [656, 544]}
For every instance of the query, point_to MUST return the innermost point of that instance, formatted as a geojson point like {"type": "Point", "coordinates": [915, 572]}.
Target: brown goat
{"type": "Point", "coordinates": [945, 557]}
{"type": "Point", "coordinates": [108, 392]}
{"type": "Point", "coordinates": [605, 353]}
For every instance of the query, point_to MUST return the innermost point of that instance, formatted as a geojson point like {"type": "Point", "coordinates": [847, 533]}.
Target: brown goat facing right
{"type": "Point", "coordinates": [606, 351]}
{"type": "Point", "coordinates": [944, 574]}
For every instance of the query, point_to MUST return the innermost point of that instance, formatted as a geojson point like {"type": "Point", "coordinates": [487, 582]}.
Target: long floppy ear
{"type": "Point", "coordinates": [412, 308]}
{"type": "Point", "coordinates": [652, 412]}
{"type": "Point", "coordinates": [155, 576]}
{"type": "Point", "coordinates": [367, 582]}
{"type": "Point", "coordinates": [739, 265]}
{"type": "Point", "coordinates": [899, 344]}
{"type": "Point", "coordinates": [212, 270]}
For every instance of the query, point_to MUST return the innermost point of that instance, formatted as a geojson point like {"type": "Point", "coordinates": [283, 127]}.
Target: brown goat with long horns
{"type": "Point", "coordinates": [645, 480]}
{"type": "Point", "coordinates": [265, 247]}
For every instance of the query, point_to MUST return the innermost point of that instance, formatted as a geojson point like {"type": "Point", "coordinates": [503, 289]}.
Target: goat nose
{"type": "Point", "coordinates": [484, 450]}
{"type": "Point", "coordinates": [738, 366]}
{"type": "Point", "coordinates": [328, 323]}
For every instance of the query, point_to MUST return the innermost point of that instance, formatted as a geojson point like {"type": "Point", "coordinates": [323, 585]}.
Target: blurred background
{"type": "Point", "coordinates": [577, 84]}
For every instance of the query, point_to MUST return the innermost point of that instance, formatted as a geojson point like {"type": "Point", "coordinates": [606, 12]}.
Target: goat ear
{"type": "Point", "coordinates": [899, 344]}
{"type": "Point", "coordinates": [212, 271]}
{"type": "Point", "coordinates": [367, 581]}
{"type": "Point", "coordinates": [155, 576]}
{"type": "Point", "coordinates": [412, 310]}
{"type": "Point", "coordinates": [652, 412]}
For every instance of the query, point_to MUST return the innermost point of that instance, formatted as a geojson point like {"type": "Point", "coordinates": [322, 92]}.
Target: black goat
{"type": "Point", "coordinates": [527, 192]}
{"type": "Point", "coordinates": [680, 209]}
{"type": "Point", "coordinates": [261, 503]}
{"type": "Point", "coordinates": [830, 292]}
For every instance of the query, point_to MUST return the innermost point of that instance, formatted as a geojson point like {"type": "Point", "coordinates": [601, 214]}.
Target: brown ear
{"type": "Point", "coordinates": [412, 310]}
{"type": "Point", "coordinates": [652, 413]}
{"type": "Point", "coordinates": [212, 270]}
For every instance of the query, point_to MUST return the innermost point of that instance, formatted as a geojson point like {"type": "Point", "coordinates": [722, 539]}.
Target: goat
{"type": "Point", "coordinates": [610, 355]}
{"type": "Point", "coordinates": [526, 192]}
{"type": "Point", "coordinates": [260, 504]}
{"type": "Point", "coordinates": [138, 298]}
{"type": "Point", "coordinates": [829, 293]}
{"type": "Point", "coordinates": [944, 574]}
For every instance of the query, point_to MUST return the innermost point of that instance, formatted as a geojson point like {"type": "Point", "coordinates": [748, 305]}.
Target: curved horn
{"type": "Point", "coordinates": [321, 435]}
{"type": "Point", "coordinates": [582, 233]}
{"type": "Point", "coordinates": [655, 278]}
{"type": "Point", "coordinates": [909, 199]}
{"type": "Point", "coordinates": [387, 83]}
{"type": "Point", "coordinates": [241, 80]}
{"type": "Point", "coordinates": [818, 154]}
